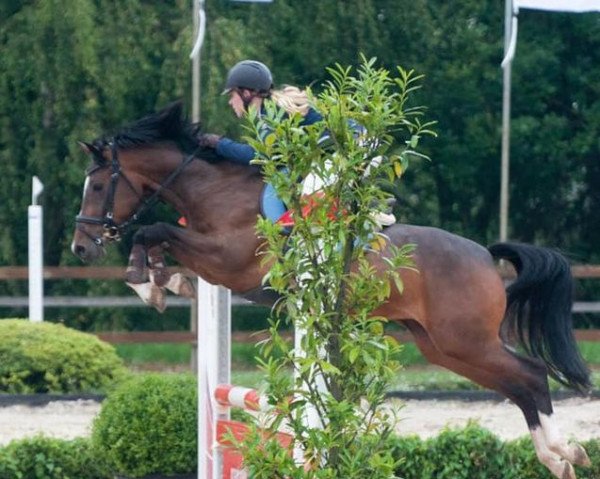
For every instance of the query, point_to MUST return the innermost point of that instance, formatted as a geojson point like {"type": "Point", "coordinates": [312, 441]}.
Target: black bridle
{"type": "Point", "coordinates": [113, 231]}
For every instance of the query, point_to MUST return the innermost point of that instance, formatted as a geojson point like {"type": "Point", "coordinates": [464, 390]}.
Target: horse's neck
{"type": "Point", "coordinates": [215, 198]}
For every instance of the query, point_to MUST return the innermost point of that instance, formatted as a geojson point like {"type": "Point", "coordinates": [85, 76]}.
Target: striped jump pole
{"type": "Point", "coordinates": [237, 396]}
{"type": "Point", "coordinates": [227, 395]}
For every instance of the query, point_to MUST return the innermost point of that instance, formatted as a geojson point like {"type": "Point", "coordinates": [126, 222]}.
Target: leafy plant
{"type": "Point", "coordinates": [48, 458]}
{"type": "Point", "coordinates": [333, 271]}
{"type": "Point", "coordinates": [475, 453]}
{"type": "Point", "coordinates": [51, 358]}
{"type": "Point", "coordinates": [149, 425]}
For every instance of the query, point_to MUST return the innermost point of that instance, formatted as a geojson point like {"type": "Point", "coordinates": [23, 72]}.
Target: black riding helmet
{"type": "Point", "coordinates": [249, 74]}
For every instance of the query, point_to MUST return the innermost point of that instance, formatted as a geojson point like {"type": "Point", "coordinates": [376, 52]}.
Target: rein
{"type": "Point", "coordinates": [112, 230]}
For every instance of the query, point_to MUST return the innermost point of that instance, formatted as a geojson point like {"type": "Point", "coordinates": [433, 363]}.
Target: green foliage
{"type": "Point", "coordinates": [50, 358]}
{"type": "Point", "coordinates": [331, 276]}
{"type": "Point", "coordinates": [48, 458]}
{"type": "Point", "coordinates": [475, 453]}
{"type": "Point", "coordinates": [149, 425]}
{"type": "Point", "coordinates": [93, 65]}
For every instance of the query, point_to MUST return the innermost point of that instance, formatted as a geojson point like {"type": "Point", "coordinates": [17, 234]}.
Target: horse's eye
{"type": "Point", "coordinates": [97, 186]}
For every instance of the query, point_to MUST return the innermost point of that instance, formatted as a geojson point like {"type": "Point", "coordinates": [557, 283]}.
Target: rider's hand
{"type": "Point", "coordinates": [208, 140]}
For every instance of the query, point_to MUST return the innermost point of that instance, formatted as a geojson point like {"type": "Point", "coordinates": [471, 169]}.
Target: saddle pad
{"type": "Point", "coordinates": [271, 206]}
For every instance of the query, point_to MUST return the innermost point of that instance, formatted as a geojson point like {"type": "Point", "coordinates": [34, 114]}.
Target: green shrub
{"type": "Point", "coordinates": [475, 453]}
{"type": "Point", "coordinates": [51, 358]}
{"type": "Point", "coordinates": [148, 425]}
{"type": "Point", "coordinates": [47, 458]}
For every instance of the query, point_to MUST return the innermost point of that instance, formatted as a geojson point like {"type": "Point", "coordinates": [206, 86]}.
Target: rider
{"type": "Point", "coordinates": [249, 83]}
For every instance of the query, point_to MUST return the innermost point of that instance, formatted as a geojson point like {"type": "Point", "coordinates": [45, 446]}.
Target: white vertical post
{"type": "Point", "coordinates": [206, 328]}
{"type": "Point", "coordinates": [36, 253]}
{"type": "Point", "coordinates": [505, 155]}
{"type": "Point", "coordinates": [214, 339]}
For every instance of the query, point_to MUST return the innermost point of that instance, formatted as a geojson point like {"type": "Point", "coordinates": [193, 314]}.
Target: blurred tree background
{"type": "Point", "coordinates": [76, 69]}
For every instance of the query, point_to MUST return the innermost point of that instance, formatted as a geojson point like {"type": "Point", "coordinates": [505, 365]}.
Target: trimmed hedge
{"type": "Point", "coordinates": [476, 453]}
{"type": "Point", "coordinates": [46, 458]}
{"type": "Point", "coordinates": [148, 425]}
{"type": "Point", "coordinates": [469, 453]}
{"type": "Point", "coordinates": [51, 358]}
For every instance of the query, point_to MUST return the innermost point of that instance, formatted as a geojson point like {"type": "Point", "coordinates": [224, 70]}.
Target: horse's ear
{"type": "Point", "coordinates": [94, 150]}
{"type": "Point", "coordinates": [174, 111]}
{"type": "Point", "coordinates": [172, 119]}
{"type": "Point", "coordinates": [87, 148]}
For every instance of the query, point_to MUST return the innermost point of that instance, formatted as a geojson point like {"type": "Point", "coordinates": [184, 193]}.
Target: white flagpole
{"type": "Point", "coordinates": [505, 149]}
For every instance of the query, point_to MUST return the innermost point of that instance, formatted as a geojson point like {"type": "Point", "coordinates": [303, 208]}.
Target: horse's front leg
{"type": "Point", "coordinates": [161, 277]}
{"type": "Point", "coordinates": [137, 277]}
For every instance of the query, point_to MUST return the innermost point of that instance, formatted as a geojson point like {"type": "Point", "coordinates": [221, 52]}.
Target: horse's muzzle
{"type": "Point", "coordinates": [87, 250]}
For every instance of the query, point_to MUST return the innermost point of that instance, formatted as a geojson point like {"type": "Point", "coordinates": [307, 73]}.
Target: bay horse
{"type": "Point", "coordinates": [455, 304]}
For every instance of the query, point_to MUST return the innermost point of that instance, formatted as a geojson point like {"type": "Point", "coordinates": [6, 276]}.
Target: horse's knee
{"type": "Point", "coordinates": [157, 234]}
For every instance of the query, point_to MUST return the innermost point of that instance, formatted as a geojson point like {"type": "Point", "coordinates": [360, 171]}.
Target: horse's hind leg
{"type": "Point", "coordinates": [572, 452]}
{"type": "Point", "coordinates": [522, 380]}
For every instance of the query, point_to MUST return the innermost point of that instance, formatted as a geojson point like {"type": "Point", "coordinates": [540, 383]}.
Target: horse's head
{"type": "Point", "coordinates": [110, 201]}
{"type": "Point", "coordinates": [118, 188]}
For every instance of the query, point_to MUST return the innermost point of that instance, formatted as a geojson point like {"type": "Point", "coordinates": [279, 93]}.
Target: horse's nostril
{"type": "Point", "coordinates": [79, 250]}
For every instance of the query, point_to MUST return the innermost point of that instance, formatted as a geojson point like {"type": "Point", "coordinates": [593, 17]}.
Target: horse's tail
{"type": "Point", "coordinates": [538, 311]}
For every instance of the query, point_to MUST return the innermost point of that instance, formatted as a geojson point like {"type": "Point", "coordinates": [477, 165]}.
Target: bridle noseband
{"type": "Point", "coordinates": [113, 231]}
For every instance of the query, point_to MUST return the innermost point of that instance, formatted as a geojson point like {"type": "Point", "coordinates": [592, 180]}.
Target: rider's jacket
{"type": "Point", "coordinates": [243, 153]}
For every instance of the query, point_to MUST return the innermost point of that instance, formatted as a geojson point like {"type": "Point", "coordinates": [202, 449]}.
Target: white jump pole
{"type": "Point", "coordinates": [36, 253]}
{"type": "Point", "coordinates": [214, 368]}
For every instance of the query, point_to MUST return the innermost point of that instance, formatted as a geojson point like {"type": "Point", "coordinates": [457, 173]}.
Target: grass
{"type": "Point", "coordinates": [416, 374]}
{"type": "Point", "coordinates": [155, 353]}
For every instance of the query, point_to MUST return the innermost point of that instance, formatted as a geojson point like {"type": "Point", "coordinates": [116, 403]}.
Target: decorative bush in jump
{"type": "Point", "coordinates": [51, 358]}
{"type": "Point", "coordinates": [148, 426]}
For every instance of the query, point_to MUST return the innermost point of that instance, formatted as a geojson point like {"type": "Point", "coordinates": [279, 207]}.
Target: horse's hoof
{"type": "Point", "coordinates": [150, 294]}
{"type": "Point", "coordinates": [159, 303]}
{"type": "Point", "coordinates": [568, 471]}
{"type": "Point", "coordinates": [580, 457]}
{"type": "Point", "coordinates": [181, 286]}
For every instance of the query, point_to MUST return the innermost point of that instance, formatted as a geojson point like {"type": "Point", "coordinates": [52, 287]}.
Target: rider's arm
{"type": "Point", "coordinates": [241, 153]}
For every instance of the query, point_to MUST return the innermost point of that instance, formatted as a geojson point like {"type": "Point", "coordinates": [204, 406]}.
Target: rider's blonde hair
{"type": "Point", "coordinates": [291, 99]}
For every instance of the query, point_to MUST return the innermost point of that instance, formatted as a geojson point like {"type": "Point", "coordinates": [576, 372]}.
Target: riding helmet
{"type": "Point", "coordinates": [249, 74]}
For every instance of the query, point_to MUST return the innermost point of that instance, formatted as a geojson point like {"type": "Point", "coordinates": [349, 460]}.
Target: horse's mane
{"type": "Point", "coordinates": [168, 124]}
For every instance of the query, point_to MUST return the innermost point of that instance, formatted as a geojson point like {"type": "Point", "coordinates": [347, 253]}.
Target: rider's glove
{"type": "Point", "coordinates": [208, 140]}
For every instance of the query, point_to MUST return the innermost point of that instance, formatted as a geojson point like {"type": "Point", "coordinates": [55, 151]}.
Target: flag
{"type": "Point", "coordinates": [576, 6]}
{"type": "Point", "coordinates": [559, 5]}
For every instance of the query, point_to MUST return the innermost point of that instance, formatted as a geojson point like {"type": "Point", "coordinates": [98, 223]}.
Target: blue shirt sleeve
{"type": "Point", "coordinates": [241, 153]}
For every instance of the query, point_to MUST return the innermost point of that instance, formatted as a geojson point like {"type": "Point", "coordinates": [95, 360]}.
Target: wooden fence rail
{"type": "Point", "coordinates": [117, 273]}
{"type": "Point", "coordinates": [254, 337]}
